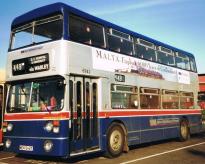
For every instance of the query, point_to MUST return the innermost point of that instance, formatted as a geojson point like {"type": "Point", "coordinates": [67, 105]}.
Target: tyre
{"type": "Point", "coordinates": [115, 141]}
{"type": "Point", "coordinates": [184, 130]}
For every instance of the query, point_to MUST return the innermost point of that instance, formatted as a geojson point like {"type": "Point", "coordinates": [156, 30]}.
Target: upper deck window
{"type": "Point", "coordinates": [120, 42]}
{"type": "Point", "coordinates": [145, 50]}
{"type": "Point", "coordinates": [165, 56]}
{"type": "Point", "coordinates": [85, 31]}
{"type": "Point", "coordinates": [182, 61]}
{"type": "Point", "coordinates": [42, 30]}
{"type": "Point", "coordinates": [192, 64]}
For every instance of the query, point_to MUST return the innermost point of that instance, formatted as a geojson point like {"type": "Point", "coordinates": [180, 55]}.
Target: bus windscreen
{"type": "Point", "coordinates": [38, 96]}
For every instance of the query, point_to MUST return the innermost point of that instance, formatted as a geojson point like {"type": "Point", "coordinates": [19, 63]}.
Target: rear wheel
{"type": "Point", "coordinates": [184, 130]}
{"type": "Point", "coordinates": [115, 140]}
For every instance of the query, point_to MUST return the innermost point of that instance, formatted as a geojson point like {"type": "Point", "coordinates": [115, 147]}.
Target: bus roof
{"type": "Point", "coordinates": [63, 8]}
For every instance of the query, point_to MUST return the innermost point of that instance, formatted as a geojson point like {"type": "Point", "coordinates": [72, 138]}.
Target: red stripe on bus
{"type": "Point", "coordinates": [101, 114]}
{"type": "Point", "coordinates": [31, 116]}
{"type": "Point", "coordinates": [147, 113]}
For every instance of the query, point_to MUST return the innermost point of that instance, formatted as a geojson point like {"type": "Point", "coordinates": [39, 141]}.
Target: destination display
{"type": "Point", "coordinates": [30, 65]}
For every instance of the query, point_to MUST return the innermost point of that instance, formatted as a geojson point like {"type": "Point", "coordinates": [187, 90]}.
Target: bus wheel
{"type": "Point", "coordinates": [184, 130]}
{"type": "Point", "coordinates": [115, 141]}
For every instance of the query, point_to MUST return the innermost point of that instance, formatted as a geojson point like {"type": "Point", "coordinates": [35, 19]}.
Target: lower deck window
{"type": "Point", "coordinates": [170, 102]}
{"type": "Point", "coordinates": [124, 97]}
{"type": "Point", "coordinates": [149, 98]}
{"type": "Point", "coordinates": [128, 97]}
{"type": "Point", "coordinates": [149, 101]}
{"type": "Point", "coordinates": [170, 99]}
{"type": "Point", "coordinates": [186, 100]}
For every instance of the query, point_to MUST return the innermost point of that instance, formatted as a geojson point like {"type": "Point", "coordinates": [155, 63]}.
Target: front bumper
{"type": "Point", "coordinates": [35, 146]}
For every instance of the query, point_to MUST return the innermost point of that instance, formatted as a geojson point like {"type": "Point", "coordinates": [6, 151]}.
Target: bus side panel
{"type": "Point", "coordinates": [150, 128]}
{"type": "Point", "coordinates": [150, 131]}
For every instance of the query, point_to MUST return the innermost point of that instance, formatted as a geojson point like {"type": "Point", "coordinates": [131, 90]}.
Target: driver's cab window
{"type": "Point", "coordinates": [36, 96]}
{"type": "Point", "coordinates": [47, 96]}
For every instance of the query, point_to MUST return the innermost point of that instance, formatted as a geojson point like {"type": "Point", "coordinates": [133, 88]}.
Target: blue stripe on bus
{"type": "Point", "coordinates": [139, 131]}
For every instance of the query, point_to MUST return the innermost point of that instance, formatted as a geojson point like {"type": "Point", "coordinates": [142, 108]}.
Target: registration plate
{"type": "Point", "coordinates": [25, 148]}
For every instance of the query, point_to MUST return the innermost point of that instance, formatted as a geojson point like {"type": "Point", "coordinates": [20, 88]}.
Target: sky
{"type": "Point", "coordinates": [179, 23]}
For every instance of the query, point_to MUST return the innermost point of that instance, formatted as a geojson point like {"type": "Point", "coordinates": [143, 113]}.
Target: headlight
{"type": "Point", "coordinates": [48, 127]}
{"type": "Point", "coordinates": [56, 129]}
{"type": "Point", "coordinates": [10, 127]}
{"type": "Point", "coordinates": [48, 145]}
{"type": "Point", "coordinates": [8, 143]}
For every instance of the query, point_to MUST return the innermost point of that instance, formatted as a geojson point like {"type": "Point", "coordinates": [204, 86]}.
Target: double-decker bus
{"type": "Point", "coordinates": [78, 84]}
{"type": "Point", "coordinates": [2, 100]}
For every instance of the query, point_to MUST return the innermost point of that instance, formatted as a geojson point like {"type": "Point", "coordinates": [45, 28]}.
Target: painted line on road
{"type": "Point", "coordinates": [33, 161]}
{"type": "Point", "coordinates": [7, 158]}
{"type": "Point", "coordinates": [166, 152]}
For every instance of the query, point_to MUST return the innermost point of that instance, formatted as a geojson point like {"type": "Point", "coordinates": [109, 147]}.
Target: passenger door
{"type": "Point", "coordinates": [84, 115]}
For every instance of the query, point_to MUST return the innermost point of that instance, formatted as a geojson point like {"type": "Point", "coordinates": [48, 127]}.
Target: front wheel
{"type": "Point", "coordinates": [115, 140]}
{"type": "Point", "coordinates": [184, 130]}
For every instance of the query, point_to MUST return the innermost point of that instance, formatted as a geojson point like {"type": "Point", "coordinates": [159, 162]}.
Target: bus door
{"type": "Point", "coordinates": [84, 115]}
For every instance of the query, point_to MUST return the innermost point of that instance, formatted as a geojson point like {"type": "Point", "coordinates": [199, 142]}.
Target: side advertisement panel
{"type": "Point", "coordinates": [114, 62]}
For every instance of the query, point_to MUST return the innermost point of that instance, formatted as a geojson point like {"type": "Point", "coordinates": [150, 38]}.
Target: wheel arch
{"type": "Point", "coordinates": [184, 118]}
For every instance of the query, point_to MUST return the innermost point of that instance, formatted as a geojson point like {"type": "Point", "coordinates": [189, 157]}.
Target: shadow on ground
{"type": "Point", "coordinates": [100, 154]}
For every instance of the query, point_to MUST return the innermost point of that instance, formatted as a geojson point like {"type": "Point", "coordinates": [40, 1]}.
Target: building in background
{"type": "Point", "coordinates": [202, 90]}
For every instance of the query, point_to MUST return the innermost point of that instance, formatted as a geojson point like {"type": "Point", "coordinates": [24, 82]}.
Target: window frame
{"type": "Point", "coordinates": [167, 54]}
{"type": "Point", "coordinates": [138, 42]}
{"type": "Point", "coordinates": [32, 24]}
{"type": "Point", "coordinates": [129, 39]}
{"type": "Point", "coordinates": [180, 56]}
{"type": "Point", "coordinates": [16, 83]}
{"type": "Point", "coordinates": [131, 93]}
{"type": "Point", "coordinates": [172, 93]}
{"type": "Point", "coordinates": [157, 93]}
{"type": "Point", "coordinates": [88, 22]}
{"type": "Point", "coordinates": [183, 95]}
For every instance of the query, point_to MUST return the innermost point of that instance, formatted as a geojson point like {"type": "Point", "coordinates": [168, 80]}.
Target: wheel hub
{"type": "Point", "coordinates": [115, 140]}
